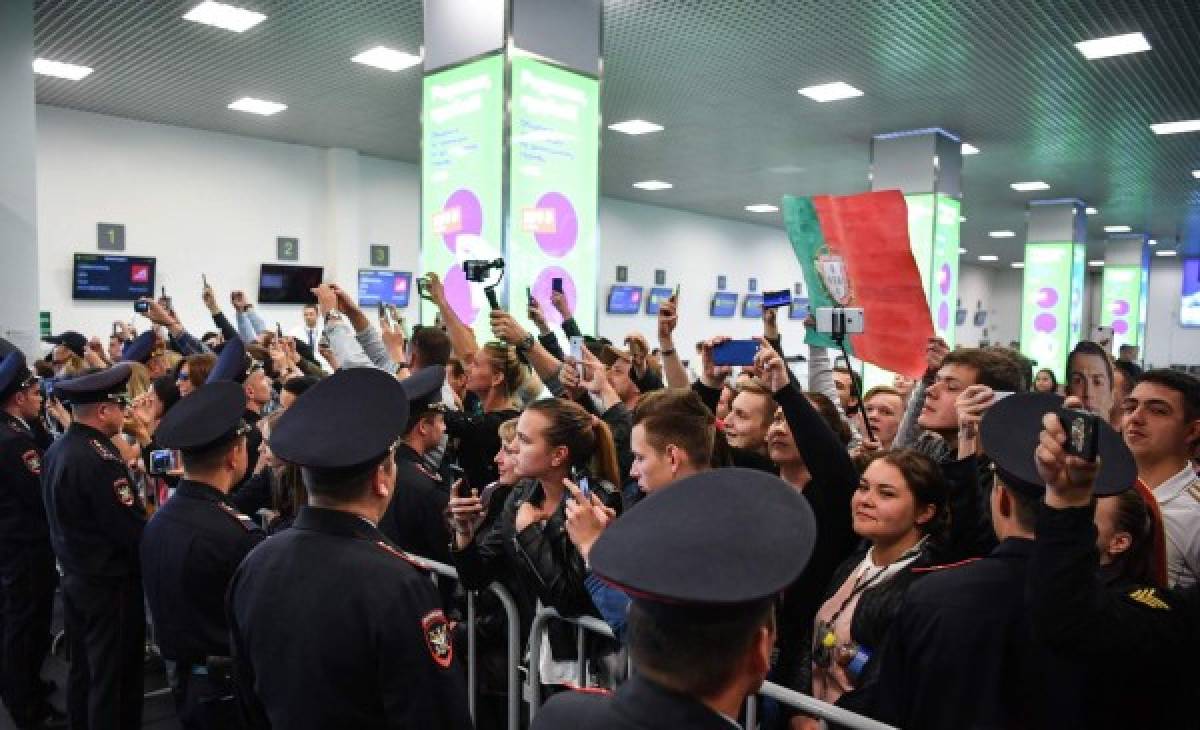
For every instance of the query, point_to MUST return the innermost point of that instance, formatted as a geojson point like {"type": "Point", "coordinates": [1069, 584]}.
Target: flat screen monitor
{"type": "Point", "coordinates": [656, 297]}
{"type": "Point", "coordinates": [281, 284]}
{"type": "Point", "coordinates": [115, 278]}
{"type": "Point", "coordinates": [960, 317]}
{"type": "Point", "coordinates": [799, 308]}
{"type": "Point", "coordinates": [381, 285]}
{"type": "Point", "coordinates": [724, 304]}
{"type": "Point", "coordinates": [980, 318]}
{"type": "Point", "coordinates": [1189, 305]}
{"type": "Point", "coordinates": [623, 299]}
{"type": "Point", "coordinates": [752, 306]}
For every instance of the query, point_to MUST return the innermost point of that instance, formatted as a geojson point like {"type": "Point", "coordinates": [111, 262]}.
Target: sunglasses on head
{"type": "Point", "coordinates": [120, 400]}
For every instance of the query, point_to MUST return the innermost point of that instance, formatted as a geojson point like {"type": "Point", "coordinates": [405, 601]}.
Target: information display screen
{"type": "Point", "coordinates": [752, 306]}
{"type": "Point", "coordinates": [656, 297]}
{"type": "Point", "coordinates": [724, 304]}
{"type": "Point", "coordinates": [799, 308]}
{"type": "Point", "coordinates": [115, 278]}
{"type": "Point", "coordinates": [280, 284]}
{"type": "Point", "coordinates": [380, 285]}
{"type": "Point", "coordinates": [1189, 305]}
{"type": "Point", "coordinates": [624, 299]}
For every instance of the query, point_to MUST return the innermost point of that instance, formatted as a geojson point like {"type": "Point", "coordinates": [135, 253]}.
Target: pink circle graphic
{"type": "Point", "coordinates": [458, 293]}
{"type": "Point", "coordinates": [543, 287]}
{"type": "Point", "coordinates": [470, 216]}
{"type": "Point", "coordinates": [943, 316]}
{"type": "Point", "coordinates": [944, 279]}
{"type": "Point", "coordinates": [1047, 297]}
{"type": "Point", "coordinates": [1045, 322]}
{"type": "Point", "coordinates": [1120, 308]}
{"type": "Point", "coordinates": [1120, 326]}
{"type": "Point", "coordinates": [566, 225]}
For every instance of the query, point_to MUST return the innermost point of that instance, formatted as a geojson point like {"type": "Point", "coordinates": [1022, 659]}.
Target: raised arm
{"type": "Point", "coordinates": [462, 339]}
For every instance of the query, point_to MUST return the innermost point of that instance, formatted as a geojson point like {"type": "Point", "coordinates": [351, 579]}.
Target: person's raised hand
{"type": "Point", "coordinates": [770, 316]}
{"type": "Point", "coordinates": [1068, 478]}
{"type": "Point", "coordinates": [327, 355]}
{"type": "Point", "coordinates": [505, 327]}
{"type": "Point", "coordinates": [327, 299]}
{"type": "Point", "coordinates": [668, 319]}
{"type": "Point", "coordinates": [393, 339]}
{"type": "Point", "coordinates": [530, 513]}
{"type": "Point", "coordinates": [936, 351]}
{"type": "Point", "coordinates": [569, 376]}
{"type": "Point", "coordinates": [345, 302]}
{"type": "Point", "coordinates": [595, 374]}
{"type": "Point", "coordinates": [587, 518]}
{"type": "Point", "coordinates": [157, 313]}
{"type": "Point", "coordinates": [559, 300]}
{"type": "Point", "coordinates": [536, 315]}
{"type": "Point", "coordinates": [210, 299]}
{"type": "Point", "coordinates": [433, 284]}
{"type": "Point", "coordinates": [970, 405]}
{"type": "Point", "coordinates": [238, 299]}
{"type": "Point", "coordinates": [771, 366]}
{"type": "Point", "coordinates": [464, 514]}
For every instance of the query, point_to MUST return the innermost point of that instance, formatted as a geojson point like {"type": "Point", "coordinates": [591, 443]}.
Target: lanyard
{"type": "Point", "coordinates": [861, 585]}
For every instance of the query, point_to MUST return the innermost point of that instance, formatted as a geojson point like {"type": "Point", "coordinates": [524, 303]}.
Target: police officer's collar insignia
{"type": "Point", "coordinates": [123, 491]}
{"type": "Point", "coordinates": [104, 451]}
{"type": "Point", "coordinates": [391, 549]}
{"type": "Point", "coordinates": [243, 520]}
{"type": "Point", "coordinates": [1194, 489]}
{"type": "Point", "coordinates": [437, 638]}
{"type": "Point", "coordinates": [425, 470]}
{"type": "Point", "coordinates": [33, 462]}
{"type": "Point", "coordinates": [1149, 597]}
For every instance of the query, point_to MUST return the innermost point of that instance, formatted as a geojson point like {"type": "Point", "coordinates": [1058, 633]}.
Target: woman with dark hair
{"type": "Point", "coordinates": [1045, 381]}
{"type": "Point", "coordinates": [193, 372]}
{"type": "Point", "coordinates": [287, 490]}
{"type": "Point", "coordinates": [1130, 539]}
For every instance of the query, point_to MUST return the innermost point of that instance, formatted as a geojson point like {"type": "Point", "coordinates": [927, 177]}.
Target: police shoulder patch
{"type": "Point", "coordinates": [1149, 597]}
{"type": "Point", "coordinates": [436, 628]}
{"type": "Point", "coordinates": [124, 491]}
{"type": "Point", "coordinates": [33, 461]}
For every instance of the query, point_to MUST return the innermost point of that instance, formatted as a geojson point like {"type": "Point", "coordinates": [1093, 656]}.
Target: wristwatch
{"type": "Point", "coordinates": [332, 314]}
{"type": "Point", "coordinates": [526, 344]}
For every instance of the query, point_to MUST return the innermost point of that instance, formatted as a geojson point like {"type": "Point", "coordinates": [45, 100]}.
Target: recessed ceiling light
{"type": "Point", "coordinates": [962, 219]}
{"type": "Point", "coordinates": [831, 92]}
{"type": "Point", "coordinates": [1117, 229]}
{"type": "Point", "coordinates": [1025, 187]}
{"type": "Point", "coordinates": [969, 149]}
{"type": "Point", "coordinates": [1091, 211]}
{"type": "Point", "coordinates": [1165, 252]}
{"type": "Point", "coordinates": [762, 208]}
{"type": "Point", "coordinates": [1018, 264]}
{"type": "Point", "coordinates": [1095, 263]}
{"type": "Point", "coordinates": [60, 69]}
{"type": "Point", "coordinates": [1196, 173]}
{"type": "Point", "coordinates": [1117, 45]}
{"type": "Point", "coordinates": [224, 16]}
{"type": "Point", "coordinates": [1152, 242]}
{"type": "Point", "coordinates": [388, 59]}
{"type": "Point", "coordinates": [257, 106]}
{"type": "Point", "coordinates": [1001, 234]}
{"type": "Point", "coordinates": [962, 250]}
{"type": "Point", "coordinates": [653, 185]}
{"type": "Point", "coordinates": [1190, 125]}
{"type": "Point", "coordinates": [635, 126]}
{"type": "Point", "coordinates": [989, 257]}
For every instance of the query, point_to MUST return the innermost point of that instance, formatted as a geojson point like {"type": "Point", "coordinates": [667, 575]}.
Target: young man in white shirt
{"type": "Point", "coordinates": [1161, 427]}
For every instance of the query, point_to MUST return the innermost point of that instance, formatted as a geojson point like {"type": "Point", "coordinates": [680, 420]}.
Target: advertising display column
{"type": "Point", "coordinates": [1052, 290]}
{"type": "Point", "coordinates": [1124, 289]}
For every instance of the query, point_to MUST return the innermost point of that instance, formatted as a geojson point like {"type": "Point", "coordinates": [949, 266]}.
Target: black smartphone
{"type": "Point", "coordinates": [382, 311]}
{"type": "Point", "coordinates": [556, 284]}
{"type": "Point", "coordinates": [116, 330]}
{"type": "Point", "coordinates": [456, 473]}
{"type": "Point", "coordinates": [675, 296]}
{"type": "Point", "coordinates": [1083, 433]}
{"type": "Point", "coordinates": [529, 296]}
{"type": "Point", "coordinates": [279, 330]}
{"type": "Point", "coordinates": [580, 477]}
{"type": "Point", "coordinates": [141, 306]}
{"type": "Point", "coordinates": [204, 280]}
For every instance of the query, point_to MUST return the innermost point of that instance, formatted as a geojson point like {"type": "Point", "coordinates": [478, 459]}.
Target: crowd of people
{"type": "Point", "coordinates": [940, 552]}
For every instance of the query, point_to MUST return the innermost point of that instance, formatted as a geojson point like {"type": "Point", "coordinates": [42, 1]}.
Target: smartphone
{"type": "Point", "coordinates": [1083, 433]}
{"type": "Point", "coordinates": [116, 329]}
{"type": "Point", "coordinates": [1000, 395]}
{"type": "Point", "coordinates": [840, 320]}
{"type": "Point", "coordinates": [456, 473]}
{"type": "Point", "coordinates": [577, 346]}
{"type": "Point", "coordinates": [675, 296]}
{"type": "Point", "coordinates": [735, 352]}
{"type": "Point", "coordinates": [580, 477]}
{"type": "Point", "coordinates": [141, 306]}
{"type": "Point", "coordinates": [383, 312]}
{"type": "Point", "coordinates": [529, 296]}
{"type": "Point", "coordinates": [279, 330]}
{"type": "Point", "coordinates": [556, 284]}
{"type": "Point", "coordinates": [204, 280]}
{"type": "Point", "coordinates": [164, 461]}
{"type": "Point", "coordinates": [777, 299]}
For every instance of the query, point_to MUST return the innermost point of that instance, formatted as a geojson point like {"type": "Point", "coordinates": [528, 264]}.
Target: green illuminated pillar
{"type": "Point", "coordinates": [926, 165]}
{"type": "Point", "coordinates": [1052, 290]}
{"type": "Point", "coordinates": [509, 152]}
{"type": "Point", "coordinates": [1125, 287]}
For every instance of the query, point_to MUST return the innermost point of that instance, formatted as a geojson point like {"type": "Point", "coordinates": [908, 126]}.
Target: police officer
{"type": "Point", "coordinates": [192, 546]}
{"type": "Point", "coordinates": [27, 572]}
{"type": "Point", "coordinates": [234, 365]}
{"type": "Point", "coordinates": [96, 519]}
{"type": "Point", "coordinates": [704, 573]}
{"type": "Point", "coordinates": [415, 520]}
{"type": "Point", "coordinates": [331, 624]}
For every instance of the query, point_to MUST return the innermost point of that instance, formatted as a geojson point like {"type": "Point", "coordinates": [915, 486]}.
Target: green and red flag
{"type": "Point", "coordinates": [854, 251]}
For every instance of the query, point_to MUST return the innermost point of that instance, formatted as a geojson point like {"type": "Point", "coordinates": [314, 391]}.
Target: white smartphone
{"type": "Point", "coordinates": [577, 353]}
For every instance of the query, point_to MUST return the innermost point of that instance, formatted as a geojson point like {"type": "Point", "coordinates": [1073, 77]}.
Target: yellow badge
{"type": "Point", "coordinates": [1148, 597]}
{"type": "Point", "coordinates": [1194, 489]}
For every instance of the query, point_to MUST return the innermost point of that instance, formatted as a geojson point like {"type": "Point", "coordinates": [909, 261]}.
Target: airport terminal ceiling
{"type": "Point", "coordinates": [722, 77]}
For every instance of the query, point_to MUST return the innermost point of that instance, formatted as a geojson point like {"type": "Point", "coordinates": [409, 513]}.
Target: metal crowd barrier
{"type": "Point", "coordinates": [805, 703]}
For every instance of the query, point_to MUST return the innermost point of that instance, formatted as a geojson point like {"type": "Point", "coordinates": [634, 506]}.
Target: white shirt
{"type": "Point", "coordinates": [1179, 500]}
{"type": "Point", "coordinates": [301, 333]}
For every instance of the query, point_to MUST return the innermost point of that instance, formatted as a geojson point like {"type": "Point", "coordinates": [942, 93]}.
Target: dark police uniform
{"type": "Point", "coordinates": [751, 550]}
{"type": "Point", "coordinates": [190, 550]}
{"type": "Point", "coordinates": [415, 520]}
{"type": "Point", "coordinates": [234, 365]}
{"type": "Point", "coordinates": [27, 573]}
{"type": "Point", "coordinates": [331, 624]}
{"type": "Point", "coordinates": [96, 519]}
{"type": "Point", "coordinates": [962, 651]}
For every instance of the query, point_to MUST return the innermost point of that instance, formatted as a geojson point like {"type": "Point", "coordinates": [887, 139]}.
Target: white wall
{"type": "Point", "coordinates": [999, 290]}
{"type": "Point", "coordinates": [1167, 343]}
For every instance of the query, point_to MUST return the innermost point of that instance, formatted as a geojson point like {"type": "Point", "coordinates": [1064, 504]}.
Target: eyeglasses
{"type": "Point", "coordinates": [183, 375]}
{"type": "Point", "coordinates": [121, 400]}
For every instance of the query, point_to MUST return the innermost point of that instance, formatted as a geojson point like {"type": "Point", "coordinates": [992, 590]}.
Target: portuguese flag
{"type": "Point", "coordinates": [855, 252]}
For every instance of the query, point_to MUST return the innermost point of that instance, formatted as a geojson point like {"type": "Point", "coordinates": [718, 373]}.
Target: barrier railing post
{"type": "Point", "coordinates": [751, 713]}
{"type": "Point", "coordinates": [824, 710]}
{"type": "Point", "coordinates": [581, 672]}
{"type": "Point", "coordinates": [472, 664]}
